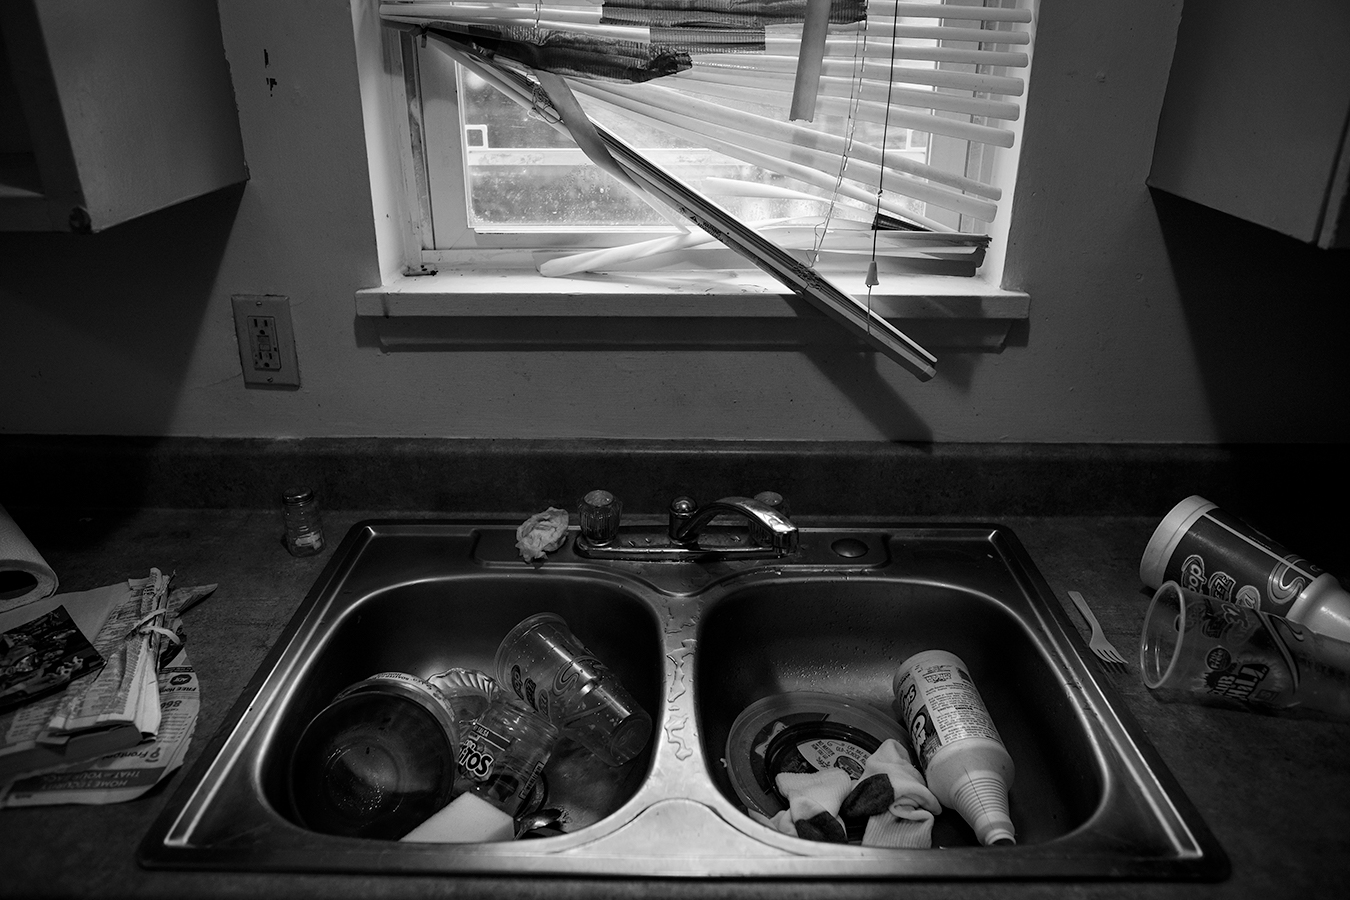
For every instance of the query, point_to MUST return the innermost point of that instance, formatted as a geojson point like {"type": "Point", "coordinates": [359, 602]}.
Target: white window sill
{"type": "Point", "coordinates": [467, 307]}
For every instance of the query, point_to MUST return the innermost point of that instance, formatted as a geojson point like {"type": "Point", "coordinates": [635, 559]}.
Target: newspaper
{"type": "Point", "coordinates": [129, 773]}
{"type": "Point", "coordinates": [21, 729]}
{"type": "Point", "coordinates": [127, 710]}
{"type": "Point", "coordinates": [125, 690]}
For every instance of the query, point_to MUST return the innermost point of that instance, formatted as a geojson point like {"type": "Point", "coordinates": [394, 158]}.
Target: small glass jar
{"type": "Point", "coordinates": [304, 528]}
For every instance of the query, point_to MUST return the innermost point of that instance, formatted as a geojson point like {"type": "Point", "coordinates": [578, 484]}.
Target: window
{"type": "Point", "coordinates": [495, 188]}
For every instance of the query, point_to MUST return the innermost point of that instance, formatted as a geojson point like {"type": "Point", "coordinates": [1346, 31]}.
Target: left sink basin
{"type": "Point", "coordinates": [429, 621]}
{"type": "Point", "coordinates": [422, 603]}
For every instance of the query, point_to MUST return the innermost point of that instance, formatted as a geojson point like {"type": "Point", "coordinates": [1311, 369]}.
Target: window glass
{"type": "Point", "coordinates": [500, 176]}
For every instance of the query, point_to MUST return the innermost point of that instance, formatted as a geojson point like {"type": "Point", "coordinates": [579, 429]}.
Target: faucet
{"type": "Point", "coordinates": [771, 533]}
{"type": "Point", "coordinates": [769, 527]}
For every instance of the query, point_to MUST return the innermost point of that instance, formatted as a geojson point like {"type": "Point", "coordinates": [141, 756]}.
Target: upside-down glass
{"type": "Point", "coordinates": [543, 663]}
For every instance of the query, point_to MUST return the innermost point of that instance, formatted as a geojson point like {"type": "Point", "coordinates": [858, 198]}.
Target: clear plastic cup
{"type": "Point", "coordinates": [543, 663]}
{"type": "Point", "coordinates": [504, 754]}
{"type": "Point", "coordinates": [1202, 649]}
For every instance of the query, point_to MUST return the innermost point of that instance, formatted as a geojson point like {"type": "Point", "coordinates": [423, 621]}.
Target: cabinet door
{"type": "Point", "coordinates": [111, 110]}
{"type": "Point", "coordinates": [1254, 120]}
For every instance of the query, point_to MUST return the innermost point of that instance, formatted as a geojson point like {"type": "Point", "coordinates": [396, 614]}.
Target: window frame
{"type": "Point", "coordinates": [976, 313]}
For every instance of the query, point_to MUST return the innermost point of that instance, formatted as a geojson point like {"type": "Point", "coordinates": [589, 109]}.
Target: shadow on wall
{"type": "Point", "coordinates": [109, 315]}
{"type": "Point", "coordinates": [1267, 318]}
{"type": "Point", "coordinates": [865, 378]}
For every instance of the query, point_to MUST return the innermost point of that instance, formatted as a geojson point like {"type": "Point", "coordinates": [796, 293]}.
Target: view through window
{"type": "Point", "coordinates": [522, 173]}
{"type": "Point", "coordinates": [931, 92]}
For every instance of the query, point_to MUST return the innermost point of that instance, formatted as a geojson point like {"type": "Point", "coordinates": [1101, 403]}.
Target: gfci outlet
{"type": "Point", "coordinates": [262, 322]}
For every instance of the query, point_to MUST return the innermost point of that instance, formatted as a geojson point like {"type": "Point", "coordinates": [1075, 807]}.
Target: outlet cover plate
{"type": "Point", "coordinates": [262, 323]}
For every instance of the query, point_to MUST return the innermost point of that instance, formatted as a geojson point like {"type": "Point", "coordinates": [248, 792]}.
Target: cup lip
{"type": "Point", "coordinates": [365, 690]}
{"type": "Point", "coordinates": [1168, 534]}
{"type": "Point", "coordinates": [408, 687]}
{"type": "Point", "coordinates": [531, 622]}
{"type": "Point", "coordinates": [1144, 668]}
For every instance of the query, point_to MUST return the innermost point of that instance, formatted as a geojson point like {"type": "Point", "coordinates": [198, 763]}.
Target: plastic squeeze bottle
{"type": "Point", "coordinates": [962, 756]}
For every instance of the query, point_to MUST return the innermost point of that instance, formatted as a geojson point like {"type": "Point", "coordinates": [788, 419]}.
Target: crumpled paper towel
{"type": "Point", "coordinates": [24, 574]}
{"type": "Point", "coordinates": [541, 533]}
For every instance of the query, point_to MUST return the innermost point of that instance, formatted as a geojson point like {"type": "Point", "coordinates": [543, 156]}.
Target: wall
{"type": "Point", "coordinates": [1152, 320]}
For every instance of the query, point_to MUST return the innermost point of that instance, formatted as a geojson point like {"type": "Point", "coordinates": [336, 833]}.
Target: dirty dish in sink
{"type": "Point", "coordinates": [801, 731]}
{"type": "Point", "coordinates": [377, 761]}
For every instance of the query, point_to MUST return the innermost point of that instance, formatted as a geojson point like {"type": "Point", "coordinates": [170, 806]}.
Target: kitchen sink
{"type": "Point", "coordinates": [698, 640]}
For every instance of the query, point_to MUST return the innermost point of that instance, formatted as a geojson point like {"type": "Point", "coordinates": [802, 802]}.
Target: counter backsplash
{"type": "Point", "coordinates": [819, 479]}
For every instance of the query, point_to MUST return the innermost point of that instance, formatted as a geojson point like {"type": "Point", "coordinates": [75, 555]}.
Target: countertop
{"type": "Point", "coordinates": [1275, 791]}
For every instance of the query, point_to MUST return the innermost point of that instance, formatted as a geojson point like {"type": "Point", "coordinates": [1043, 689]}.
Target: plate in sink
{"type": "Point", "coordinates": [800, 731]}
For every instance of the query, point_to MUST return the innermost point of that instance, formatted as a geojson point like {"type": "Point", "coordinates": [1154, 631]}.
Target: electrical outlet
{"type": "Point", "coordinates": [262, 343]}
{"type": "Point", "coordinates": [262, 323]}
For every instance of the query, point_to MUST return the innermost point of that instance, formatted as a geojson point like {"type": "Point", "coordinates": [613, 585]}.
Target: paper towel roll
{"type": "Point", "coordinates": [24, 574]}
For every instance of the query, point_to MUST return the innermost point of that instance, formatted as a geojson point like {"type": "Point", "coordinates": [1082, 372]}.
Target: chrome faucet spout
{"type": "Point", "coordinates": [773, 527]}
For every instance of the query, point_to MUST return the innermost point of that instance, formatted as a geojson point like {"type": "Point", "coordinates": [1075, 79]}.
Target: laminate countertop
{"type": "Point", "coordinates": [1275, 791]}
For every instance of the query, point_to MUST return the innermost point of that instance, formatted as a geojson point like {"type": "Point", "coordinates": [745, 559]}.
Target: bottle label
{"type": "Point", "coordinates": [478, 756]}
{"type": "Point", "coordinates": [486, 758]}
{"type": "Point", "coordinates": [940, 704]}
{"type": "Point", "coordinates": [1223, 557]}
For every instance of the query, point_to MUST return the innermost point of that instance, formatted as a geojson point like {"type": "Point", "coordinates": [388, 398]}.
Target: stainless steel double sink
{"type": "Point", "coordinates": [696, 642]}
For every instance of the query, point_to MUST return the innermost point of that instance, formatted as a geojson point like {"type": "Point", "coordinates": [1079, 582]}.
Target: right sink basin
{"type": "Point", "coordinates": [1090, 797]}
{"type": "Point", "coordinates": [802, 638]}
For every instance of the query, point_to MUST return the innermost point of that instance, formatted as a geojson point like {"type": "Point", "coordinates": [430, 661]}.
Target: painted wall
{"type": "Point", "coordinates": [1152, 320]}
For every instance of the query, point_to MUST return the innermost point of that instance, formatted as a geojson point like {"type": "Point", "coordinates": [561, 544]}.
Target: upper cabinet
{"type": "Point", "coordinates": [111, 110]}
{"type": "Point", "coordinates": [1254, 120]}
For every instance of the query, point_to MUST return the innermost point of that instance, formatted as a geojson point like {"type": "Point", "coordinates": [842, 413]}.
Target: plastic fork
{"type": "Point", "coordinates": [1098, 642]}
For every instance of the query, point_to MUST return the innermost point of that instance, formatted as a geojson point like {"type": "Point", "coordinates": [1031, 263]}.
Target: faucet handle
{"type": "Point", "coordinates": [599, 517]}
{"type": "Point", "coordinates": [773, 499]}
{"type": "Point", "coordinates": [681, 510]}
